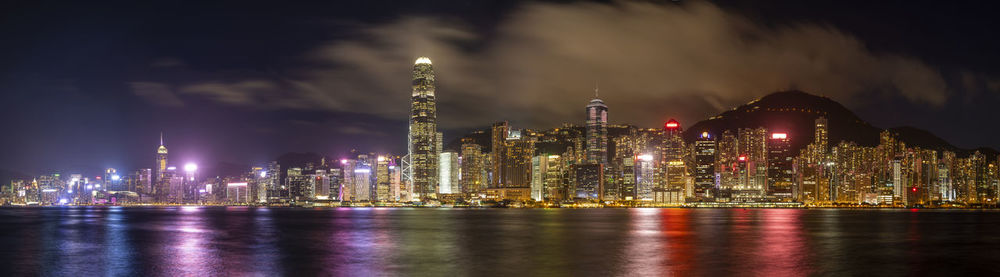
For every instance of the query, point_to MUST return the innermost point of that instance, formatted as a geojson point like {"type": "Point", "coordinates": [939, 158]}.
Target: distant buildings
{"type": "Point", "coordinates": [592, 164]}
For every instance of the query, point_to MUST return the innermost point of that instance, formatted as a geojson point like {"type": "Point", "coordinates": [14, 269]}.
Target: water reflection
{"type": "Point", "coordinates": [240, 241]}
{"type": "Point", "coordinates": [782, 249]}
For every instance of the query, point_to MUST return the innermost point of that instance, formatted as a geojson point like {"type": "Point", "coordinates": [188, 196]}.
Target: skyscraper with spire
{"type": "Point", "coordinates": [597, 131]}
{"type": "Point", "coordinates": [422, 137]}
{"type": "Point", "coordinates": [161, 160]}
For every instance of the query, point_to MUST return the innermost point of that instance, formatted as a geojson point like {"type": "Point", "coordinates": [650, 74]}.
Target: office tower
{"type": "Point", "coordinates": [143, 181]}
{"type": "Point", "coordinates": [395, 183]}
{"type": "Point", "coordinates": [646, 176]}
{"type": "Point", "coordinates": [753, 145]}
{"type": "Point", "coordinates": [300, 187]}
{"type": "Point", "coordinates": [704, 162]}
{"type": "Point", "coordinates": [321, 184]}
{"type": "Point", "coordinates": [449, 173]}
{"type": "Point", "coordinates": [498, 138]}
{"type": "Point", "coordinates": [473, 167]}
{"type": "Point", "coordinates": [347, 183]}
{"type": "Point", "coordinates": [423, 131]}
{"type": "Point", "coordinates": [597, 131]}
{"type": "Point", "coordinates": [237, 193]}
{"type": "Point", "coordinates": [515, 170]}
{"type": "Point", "coordinates": [383, 182]}
{"type": "Point", "coordinates": [274, 186]}
{"type": "Point", "coordinates": [944, 176]}
{"type": "Point", "coordinates": [589, 183]}
{"type": "Point", "coordinates": [727, 165]}
{"type": "Point", "coordinates": [621, 183]}
{"type": "Point", "coordinates": [362, 180]}
{"type": "Point", "coordinates": [160, 187]}
{"type": "Point", "coordinates": [112, 181]}
{"type": "Point", "coordinates": [174, 184]}
{"type": "Point", "coordinates": [257, 185]}
{"type": "Point", "coordinates": [671, 189]}
{"type": "Point", "coordinates": [821, 137]}
{"type": "Point", "coordinates": [547, 182]}
{"type": "Point", "coordinates": [780, 170]}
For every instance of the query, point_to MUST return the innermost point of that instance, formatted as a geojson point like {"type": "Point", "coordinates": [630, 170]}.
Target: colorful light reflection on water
{"type": "Point", "coordinates": [200, 241]}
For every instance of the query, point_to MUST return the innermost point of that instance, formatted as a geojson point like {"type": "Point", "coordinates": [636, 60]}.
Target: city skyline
{"type": "Point", "coordinates": [499, 138]}
{"type": "Point", "coordinates": [96, 106]}
{"type": "Point", "coordinates": [754, 163]}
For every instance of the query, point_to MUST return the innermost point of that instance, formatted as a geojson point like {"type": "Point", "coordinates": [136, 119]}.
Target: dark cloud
{"type": "Point", "coordinates": [541, 66]}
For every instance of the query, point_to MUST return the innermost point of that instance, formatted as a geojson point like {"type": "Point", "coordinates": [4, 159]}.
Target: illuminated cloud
{"type": "Point", "coordinates": [685, 61]}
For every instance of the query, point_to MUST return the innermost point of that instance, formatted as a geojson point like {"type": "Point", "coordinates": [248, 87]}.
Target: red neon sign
{"type": "Point", "coordinates": [779, 136]}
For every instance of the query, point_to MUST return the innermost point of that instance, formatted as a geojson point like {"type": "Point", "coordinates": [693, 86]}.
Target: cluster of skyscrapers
{"type": "Point", "coordinates": [593, 164]}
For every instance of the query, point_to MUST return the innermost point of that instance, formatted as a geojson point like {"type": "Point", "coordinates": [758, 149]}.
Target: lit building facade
{"type": "Point", "coordinates": [597, 132]}
{"type": "Point", "coordinates": [423, 141]}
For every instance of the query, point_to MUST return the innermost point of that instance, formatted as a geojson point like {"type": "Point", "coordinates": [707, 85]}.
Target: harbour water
{"type": "Point", "coordinates": [240, 241]}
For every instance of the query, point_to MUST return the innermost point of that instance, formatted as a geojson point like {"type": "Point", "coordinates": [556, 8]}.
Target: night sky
{"type": "Point", "coordinates": [84, 86]}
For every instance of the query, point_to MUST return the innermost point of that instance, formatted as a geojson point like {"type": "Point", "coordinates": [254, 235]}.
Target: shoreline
{"type": "Point", "coordinates": [490, 207]}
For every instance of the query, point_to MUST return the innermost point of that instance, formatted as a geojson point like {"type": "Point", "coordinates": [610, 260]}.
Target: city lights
{"type": "Point", "coordinates": [586, 164]}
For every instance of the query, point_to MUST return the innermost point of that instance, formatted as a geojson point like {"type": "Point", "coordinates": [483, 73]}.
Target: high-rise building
{"type": "Point", "coordinates": [383, 180]}
{"type": "Point", "coordinates": [752, 146]}
{"type": "Point", "coordinates": [113, 181]}
{"type": "Point", "coordinates": [396, 186]}
{"type": "Point", "coordinates": [671, 189]}
{"type": "Point", "coordinates": [589, 183]}
{"type": "Point", "coordinates": [143, 181]}
{"type": "Point", "coordinates": [515, 170]}
{"type": "Point", "coordinates": [274, 187]}
{"type": "Point", "coordinates": [704, 162]}
{"type": "Point", "coordinates": [449, 173]}
{"type": "Point", "coordinates": [363, 179]}
{"type": "Point", "coordinates": [321, 184]}
{"type": "Point", "coordinates": [498, 138]}
{"type": "Point", "coordinates": [646, 177]}
{"type": "Point", "coordinates": [547, 179]}
{"type": "Point", "coordinates": [597, 131]}
{"type": "Point", "coordinates": [423, 131]}
{"type": "Point", "coordinates": [473, 167]}
{"type": "Point", "coordinates": [780, 170]}
{"type": "Point", "coordinates": [299, 184]}
{"type": "Point", "coordinates": [160, 188]}
{"type": "Point", "coordinates": [821, 138]}
{"type": "Point", "coordinates": [257, 185]}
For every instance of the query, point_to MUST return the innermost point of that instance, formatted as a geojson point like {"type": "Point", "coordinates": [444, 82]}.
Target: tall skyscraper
{"type": "Point", "coordinates": [160, 169]}
{"type": "Point", "coordinates": [423, 131]}
{"type": "Point", "coordinates": [597, 131]}
{"type": "Point", "coordinates": [498, 137]}
{"type": "Point", "coordinates": [671, 188]}
{"type": "Point", "coordinates": [704, 173]}
{"type": "Point", "coordinates": [821, 138]}
{"type": "Point", "coordinates": [780, 171]}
